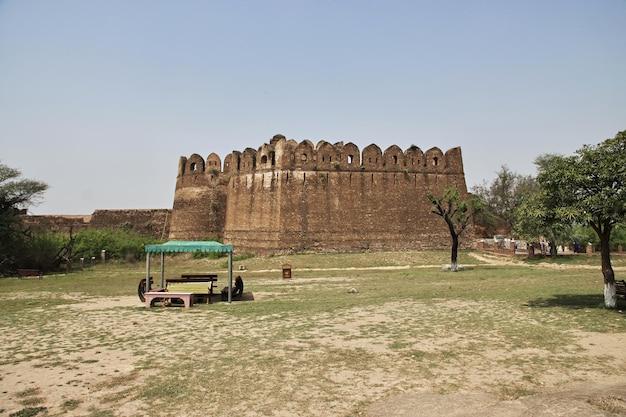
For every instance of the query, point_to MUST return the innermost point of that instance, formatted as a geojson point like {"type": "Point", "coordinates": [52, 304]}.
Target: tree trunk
{"type": "Point", "coordinates": [603, 229]}
{"type": "Point", "coordinates": [455, 250]}
{"type": "Point", "coordinates": [553, 250]}
{"type": "Point", "coordinates": [610, 299]}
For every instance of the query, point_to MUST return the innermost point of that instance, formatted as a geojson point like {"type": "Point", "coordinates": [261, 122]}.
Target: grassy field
{"type": "Point", "coordinates": [347, 331]}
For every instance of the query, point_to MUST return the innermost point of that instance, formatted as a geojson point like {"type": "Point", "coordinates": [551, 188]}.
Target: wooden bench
{"type": "Point", "coordinates": [620, 288]}
{"type": "Point", "coordinates": [186, 297]}
{"type": "Point", "coordinates": [202, 285]}
{"type": "Point", "coordinates": [21, 273]}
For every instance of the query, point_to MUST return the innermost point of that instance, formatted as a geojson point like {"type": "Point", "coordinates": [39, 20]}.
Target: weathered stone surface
{"type": "Point", "coordinates": [294, 197]}
{"type": "Point", "coordinates": [150, 222]}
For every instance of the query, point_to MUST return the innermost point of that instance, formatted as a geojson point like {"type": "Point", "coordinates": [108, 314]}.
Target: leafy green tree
{"type": "Point", "coordinates": [618, 236]}
{"type": "Point", "coordinates": [584, 235]}
{"type": "Point", "coordinates": [16, 195]}
{"type": "Point", "coordinates": [537, 217]}
{"type": "Point", "coordinates": [457, 214]}
{"type": "Point", "coordinates": [502, 197]}
{"type": "Point", "coordinates": [590, 188]}
{"type": "Point", "coordinates": [535, 220]}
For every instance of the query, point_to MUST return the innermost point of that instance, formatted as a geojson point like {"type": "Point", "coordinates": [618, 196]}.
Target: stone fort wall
{"type": "Point", "coordinates": [149, 222]}
{"type": "Point", "coordinates": [296, 197]}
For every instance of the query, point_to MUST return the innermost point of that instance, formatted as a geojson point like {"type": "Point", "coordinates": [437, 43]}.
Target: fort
{"type": "Point", "coordinates": [290, 197]}
{"type": "Point", "coordinates": [296, 197]}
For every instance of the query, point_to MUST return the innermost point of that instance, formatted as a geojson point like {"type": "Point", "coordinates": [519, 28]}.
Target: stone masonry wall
{"type": "Point", "coordinates": [58, 223]}
{"type": "Point", "coordinates": [151, 222]}
{"type": "Point", "coordinates": [148, 222]}
{"type": "Point", "coordinates": [296, 197]}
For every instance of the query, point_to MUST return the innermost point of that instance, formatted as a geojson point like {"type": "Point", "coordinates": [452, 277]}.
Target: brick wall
{"type": "Point", "coordinates": [151, 222]}
{"type": "Point", "coordinates": [290, 196]}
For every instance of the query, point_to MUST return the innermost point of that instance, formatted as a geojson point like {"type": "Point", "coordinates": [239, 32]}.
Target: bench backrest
{"type": "Point", "coordinates": [194, 287]}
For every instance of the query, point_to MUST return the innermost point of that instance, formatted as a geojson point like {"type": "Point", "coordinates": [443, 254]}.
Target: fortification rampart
{"type": "Point", "coordinates": [289, 196]}
{"type": "Point", "coordinates": [58, 223]}
{"type": "Point", "coordinates": [148, 222]}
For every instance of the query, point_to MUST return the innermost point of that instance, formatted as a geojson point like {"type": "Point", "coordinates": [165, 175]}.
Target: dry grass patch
{"type": "Point", "coordinates": [309, 345]}
{"type": "Point", "coordinates": [609, 403]}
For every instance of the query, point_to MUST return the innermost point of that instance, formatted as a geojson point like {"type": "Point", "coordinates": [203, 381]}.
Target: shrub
{"type": "Point", "coordinates": [124, 245]}
{"type": "Point", "coordinates": [42, 250]}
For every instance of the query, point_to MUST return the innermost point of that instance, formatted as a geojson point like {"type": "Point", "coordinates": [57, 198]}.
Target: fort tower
{"type": "Point", "coordinates": [296, 197]}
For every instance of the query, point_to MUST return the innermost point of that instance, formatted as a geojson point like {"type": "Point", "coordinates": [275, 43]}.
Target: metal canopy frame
{"type": "Point", "coordinates": [189, 246]}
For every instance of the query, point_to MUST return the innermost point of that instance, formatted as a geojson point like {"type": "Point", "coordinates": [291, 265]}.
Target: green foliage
{"type": "Point", "coordinates": [118, 244]}
{"type": "Point", "coordinates": [208, 255]}
{"type": "Point", "coordinates": [16, 194]}
{"type": "Point", "coordinates": [587, 188]}
{"type": "Point", "coordinates": [41, 250]}
{"type": "Point", "coordinates": [618, 236]}
{"type": "Point", "coordinates": [457, 214]}
{"type": "Point", "coordinates": [536, 219]}
{"type": "Point", "coordinates": [585, 234]}
{"type": "Point", "coordinates": [502, 197]}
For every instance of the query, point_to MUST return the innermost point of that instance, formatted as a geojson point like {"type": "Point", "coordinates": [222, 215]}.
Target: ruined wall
{"type": "Point", "coordinates": [148, 222]}
{"type": "Point", "coordinates": [151, 222]}
{"type": "Point", "coordinates": [58, 223]}
{"type": "Point", "coordinates": [290, 196]}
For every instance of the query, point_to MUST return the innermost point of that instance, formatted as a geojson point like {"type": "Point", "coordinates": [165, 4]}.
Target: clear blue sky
{"type": "Point", "coordinates": [99, 99]}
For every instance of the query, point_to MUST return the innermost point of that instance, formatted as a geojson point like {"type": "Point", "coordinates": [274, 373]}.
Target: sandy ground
{"type": "Point", "coordinates": [598, 396]}
{"type": "Point", "coordinates": [75, 378]}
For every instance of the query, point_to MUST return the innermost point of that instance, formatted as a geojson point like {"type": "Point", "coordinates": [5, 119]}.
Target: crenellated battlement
{"type": "Point", "coordinates": [289, 196]}
{"type": "Point", "coordinates": [283, 154]}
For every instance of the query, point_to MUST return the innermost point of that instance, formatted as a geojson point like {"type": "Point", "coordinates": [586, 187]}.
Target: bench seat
{"type": "Point", "coordinates": [201, 287]}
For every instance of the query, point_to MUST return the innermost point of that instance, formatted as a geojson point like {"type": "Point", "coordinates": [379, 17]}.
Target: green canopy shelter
{"type": "Point", "coordinates": [189, 246]}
